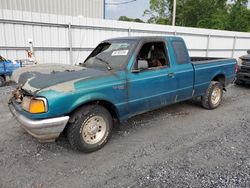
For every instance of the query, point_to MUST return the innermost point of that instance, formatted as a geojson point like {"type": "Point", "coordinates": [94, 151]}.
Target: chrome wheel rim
{"type": "Point", "coordinates": [94, 130]}
{"type": "Point", "coordinates": [216, 96]}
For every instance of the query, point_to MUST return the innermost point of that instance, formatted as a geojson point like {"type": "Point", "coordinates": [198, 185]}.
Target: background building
{"type": "Point", "coordinates": [85, 8]}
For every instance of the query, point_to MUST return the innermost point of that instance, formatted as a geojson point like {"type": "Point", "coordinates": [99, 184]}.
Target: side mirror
{"type": "Point", "coordinates": [142, 64]}
{"type": "Point", "coordinates": [248, 51]}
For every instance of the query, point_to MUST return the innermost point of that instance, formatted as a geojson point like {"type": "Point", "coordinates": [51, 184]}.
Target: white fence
{"type": "Point", "coordinates": [66, 39]}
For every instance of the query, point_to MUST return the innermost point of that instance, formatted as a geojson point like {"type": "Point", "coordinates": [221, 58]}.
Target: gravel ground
{"type": "Point", "coordinates": [182, 145]}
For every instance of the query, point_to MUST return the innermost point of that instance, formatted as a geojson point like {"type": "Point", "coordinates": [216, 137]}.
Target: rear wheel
{"type": "Point", "coordinates": [2, 81]}
{"type": "Point", "coordinates": [91, 128]}
{"type": "Point", "coordinates": [213, 95]}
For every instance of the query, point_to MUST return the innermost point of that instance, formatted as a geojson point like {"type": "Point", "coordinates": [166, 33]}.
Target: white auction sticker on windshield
{"type": "Point", "coordinates": [119, 52]}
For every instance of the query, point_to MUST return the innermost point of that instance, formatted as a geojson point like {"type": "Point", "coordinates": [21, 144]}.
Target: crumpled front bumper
{"type": "Point", "coordinates": [45, 130]}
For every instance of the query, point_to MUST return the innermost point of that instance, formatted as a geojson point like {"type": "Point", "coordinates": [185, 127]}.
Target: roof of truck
{"type": "Point", "coordinates": [143, 38]}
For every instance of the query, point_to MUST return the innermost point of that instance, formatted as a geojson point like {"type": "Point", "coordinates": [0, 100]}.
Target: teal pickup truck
{"type": "Point", "coordinates": [121, 78]}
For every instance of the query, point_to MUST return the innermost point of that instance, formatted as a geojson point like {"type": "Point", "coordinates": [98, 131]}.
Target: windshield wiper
{"type": "Point", "coordinates": [104, 61]}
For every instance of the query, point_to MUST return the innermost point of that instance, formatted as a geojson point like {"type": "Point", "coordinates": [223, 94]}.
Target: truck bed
{"type": "Point", "coordinates": [206, 68]}
{"type": "Point", "coordinates": [205, 60]}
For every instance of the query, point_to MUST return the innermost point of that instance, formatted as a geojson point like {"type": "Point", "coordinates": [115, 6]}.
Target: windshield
{"type": "Point", "coordinates": [112, 54]}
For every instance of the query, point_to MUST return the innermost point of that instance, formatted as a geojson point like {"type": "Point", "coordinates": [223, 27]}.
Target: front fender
{"type": "Point", "coordinates": [60, 103]}
{"type": "Point", "coordinates": [89, 98]}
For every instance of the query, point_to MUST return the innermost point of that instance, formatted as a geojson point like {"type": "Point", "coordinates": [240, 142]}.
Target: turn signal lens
{"type": "Point", "coordinates": [37, 106]}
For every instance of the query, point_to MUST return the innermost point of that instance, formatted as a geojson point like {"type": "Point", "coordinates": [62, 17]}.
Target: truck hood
{"type": "Point", "coordinates": [53, 77]}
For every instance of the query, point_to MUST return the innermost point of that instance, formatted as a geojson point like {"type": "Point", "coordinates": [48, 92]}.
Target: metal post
{"type": "Point", "coordinates": [208, 43]}
{"type": "Point", "coordinates": [70, 45]}
{"type": "Point", "coordinates": [104, 9]}
{"type": "Point", "coordinates": [234, 44]}
{"type": "Point", "coordinates": [174, 13]}
{"type": "Point", "coordinates": [129, 31]}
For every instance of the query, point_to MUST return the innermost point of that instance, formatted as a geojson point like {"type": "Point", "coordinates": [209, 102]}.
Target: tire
{"type": "Point", "coordinates": [239, 82]}
{"type": "Point", "coordinates": [208, 100]}
{"type": "Point", "coordinates": [91, 129]}
{"type": "Point", "coordinates": [2, 81]}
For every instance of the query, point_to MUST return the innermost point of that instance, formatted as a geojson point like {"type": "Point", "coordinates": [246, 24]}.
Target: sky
{"type": "Point", "coordinates": [132, 10]}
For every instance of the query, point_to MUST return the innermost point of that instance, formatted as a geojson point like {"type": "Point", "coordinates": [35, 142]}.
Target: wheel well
{"type": "Point", "coordinates": [3, 76]}
{"type": "Point", "coordinates": [220, 78]}
{"type": "Point", "coordinates": [109, 106]}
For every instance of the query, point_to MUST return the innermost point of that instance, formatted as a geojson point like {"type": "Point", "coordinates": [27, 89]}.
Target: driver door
{"type": "Point", "coordinates": [153, 86]}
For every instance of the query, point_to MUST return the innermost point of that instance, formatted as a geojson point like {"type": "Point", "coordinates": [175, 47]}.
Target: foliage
{"type": "Point", "coordinates": [159, 12]}
{"type": "Point", "coordinates": [239, 17]}
{"type": "Point", "coordinates": [125, 18]}
{"type": "Point", "coordinates": [212, 14]}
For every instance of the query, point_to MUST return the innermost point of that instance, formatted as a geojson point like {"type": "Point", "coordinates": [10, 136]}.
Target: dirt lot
{"type": "Point", "coordinates": [182, 145]}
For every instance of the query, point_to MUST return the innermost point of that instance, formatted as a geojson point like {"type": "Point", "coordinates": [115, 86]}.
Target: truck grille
{"type": "Point", "coordinates": [246, 63]}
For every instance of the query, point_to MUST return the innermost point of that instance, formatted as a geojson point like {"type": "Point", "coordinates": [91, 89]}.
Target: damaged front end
{"type": "Point", "coordinates": [37, 77]}
{"type": "Point", "coordinates": [42, 101]}
{"type": "Point", "coordinates": [26, 103]}
{"type": "Point", "coordinates": [22, 105]}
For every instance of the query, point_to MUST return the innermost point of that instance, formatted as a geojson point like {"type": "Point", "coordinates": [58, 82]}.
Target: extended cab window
{"type": "Point", "coordinates": [180, 52]}
{"type": "Point", "coordinates": [154, 54]}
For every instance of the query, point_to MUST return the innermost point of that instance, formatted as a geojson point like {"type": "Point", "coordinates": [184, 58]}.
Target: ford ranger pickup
{"type": "Point", "coordinates": [121, 78]}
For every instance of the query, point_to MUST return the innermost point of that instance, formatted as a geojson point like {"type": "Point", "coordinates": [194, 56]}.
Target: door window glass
{"type": "Point", "coordinates": [154, 53]}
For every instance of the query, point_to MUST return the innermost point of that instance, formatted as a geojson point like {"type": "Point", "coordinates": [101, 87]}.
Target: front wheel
{"type": "Point", "coordinates": [91, 128]}
{"type": "Point", "coordinates": [213, 95]}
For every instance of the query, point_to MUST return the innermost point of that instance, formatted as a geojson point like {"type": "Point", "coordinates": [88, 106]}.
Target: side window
{"type": "Point", "coordinates": [180, 52]}
{"type": "Point", "coordinates": [153, 54]}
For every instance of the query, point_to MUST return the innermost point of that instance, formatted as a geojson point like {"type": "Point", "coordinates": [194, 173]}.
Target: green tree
{"type": "Point", "coordinates": [212, 14]}
{"type": "Point", "coordinates": [158, 12]}
{"type": "Point", "coordinates": [239, 17]}
{"type": "Point", "coordinates": [125, 18]}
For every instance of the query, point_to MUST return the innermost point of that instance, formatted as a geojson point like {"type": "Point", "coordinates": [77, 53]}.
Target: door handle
{"type": "Point", "coordinates": [171, 75]}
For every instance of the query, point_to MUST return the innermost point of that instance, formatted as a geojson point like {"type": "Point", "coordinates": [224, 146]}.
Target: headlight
{"type": "Point", "coordinates": [26, 103]}
{"type": "Point", "coordinates": [34, 105]}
